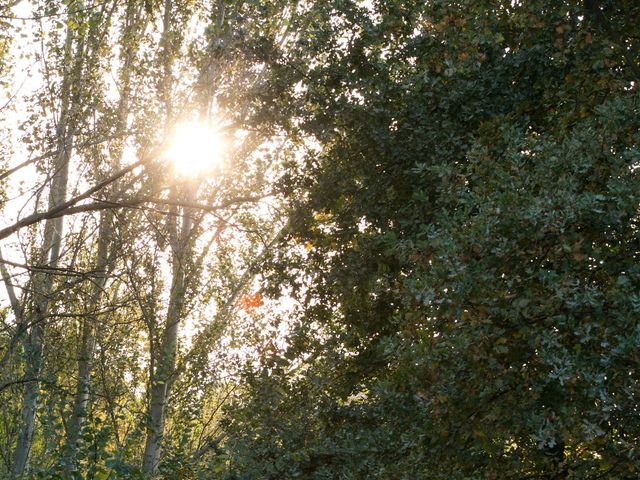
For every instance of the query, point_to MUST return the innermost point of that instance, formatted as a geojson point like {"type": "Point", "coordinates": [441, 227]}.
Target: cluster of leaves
{"type": "Point", "coordinates": [251, 301]}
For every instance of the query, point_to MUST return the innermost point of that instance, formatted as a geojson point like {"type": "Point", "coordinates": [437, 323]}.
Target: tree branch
{"type": "Point", "coordinates": [67, 208]}
{"type": "Point", "coordinates": [6, 277]}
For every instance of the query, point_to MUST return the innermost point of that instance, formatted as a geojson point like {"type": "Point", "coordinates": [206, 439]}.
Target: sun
{"type": "Point", "coordinates": [195, 149]}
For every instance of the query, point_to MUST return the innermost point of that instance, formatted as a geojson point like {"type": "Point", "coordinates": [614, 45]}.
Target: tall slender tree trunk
{"type": "Point", "coordinates": [88, 341]}
{"type": "Point", "coordinates": [42, 282]}
{"type": "Point", "coordinates": [159, 381]}
{"type": "Point", "coordinates": [133, 26]}
{"type": "Point", "coordinates": [42, 287]}
{"type": "Point", "coordinates": [162, 377]}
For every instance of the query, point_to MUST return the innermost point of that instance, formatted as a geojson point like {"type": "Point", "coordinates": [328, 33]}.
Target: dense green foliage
{"type": "Point", "coordinates": [470, 299]}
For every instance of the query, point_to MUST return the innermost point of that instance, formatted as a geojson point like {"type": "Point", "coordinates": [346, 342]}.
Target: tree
{"type": "Point", "coordinates": [471, 217]}
{"type": "Point", "coordinates": [134, 21]}
{"type": "Point", "coordinates": [73, 55]}
{"type": "Point", "coordinates": [75, 286]}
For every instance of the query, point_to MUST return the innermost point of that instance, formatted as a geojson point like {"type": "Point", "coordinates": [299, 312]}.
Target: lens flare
{"type": "Point", "coordinates": [195, 149]}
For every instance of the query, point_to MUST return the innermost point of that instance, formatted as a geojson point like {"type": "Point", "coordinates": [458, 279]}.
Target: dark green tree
{"type": "Point", "coordinates": [463, 244]}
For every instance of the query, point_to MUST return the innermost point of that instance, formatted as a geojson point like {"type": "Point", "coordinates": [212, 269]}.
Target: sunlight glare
{"type": "Point", "coordinates": [195, 149]}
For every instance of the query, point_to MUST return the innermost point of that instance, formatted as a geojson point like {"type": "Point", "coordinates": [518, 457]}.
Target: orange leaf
{"type": "Point", "coordinates": [250, 301]}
